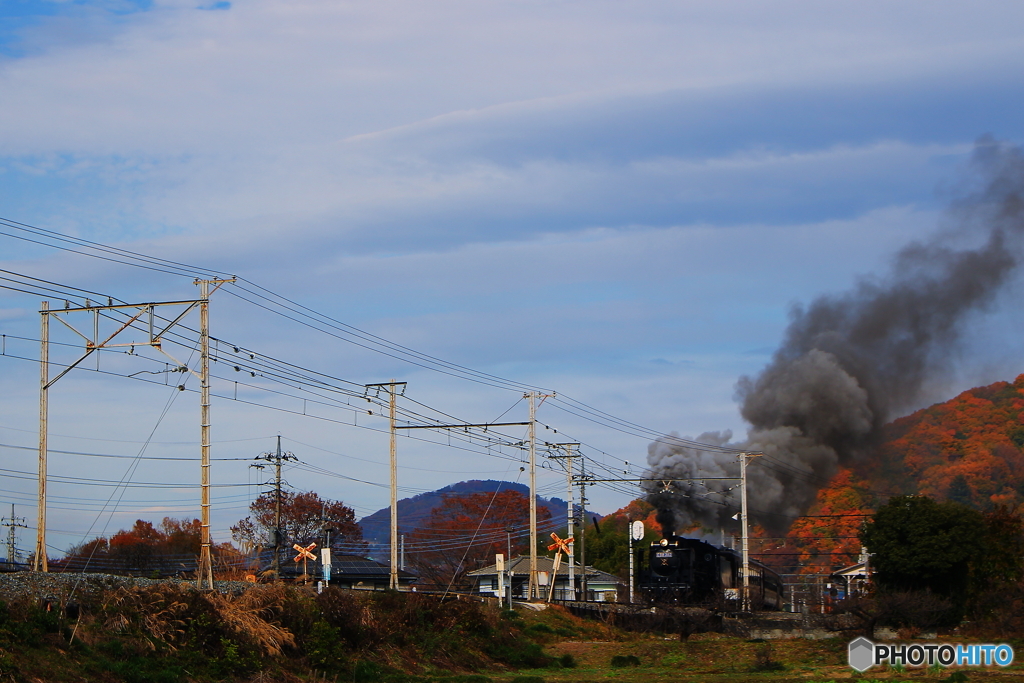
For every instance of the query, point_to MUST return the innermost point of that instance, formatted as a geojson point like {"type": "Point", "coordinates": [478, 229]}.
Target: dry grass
{"type": "Point", "coordinates": [254, 616]}
{"type": "Point", "coordinates": [160, 611]}
{"type": "Point", "coordinates": [164, 612]}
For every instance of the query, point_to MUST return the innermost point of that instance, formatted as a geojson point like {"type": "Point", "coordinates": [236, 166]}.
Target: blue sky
{"type": "Point", "coordinates": [617, 201]}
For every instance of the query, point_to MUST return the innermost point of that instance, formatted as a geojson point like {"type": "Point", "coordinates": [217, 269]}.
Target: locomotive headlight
{"type": "Point", "coordinates": [664, 541]}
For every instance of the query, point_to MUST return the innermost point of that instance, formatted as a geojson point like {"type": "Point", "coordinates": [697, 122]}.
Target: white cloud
{"type": "Point", "coordinates": [273, 74]}
{"type": "Point", "coordinates": [566, 193]}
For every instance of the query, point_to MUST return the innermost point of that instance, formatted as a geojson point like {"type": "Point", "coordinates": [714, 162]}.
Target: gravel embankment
{"type": "Point", "coordinates": [37, 585]}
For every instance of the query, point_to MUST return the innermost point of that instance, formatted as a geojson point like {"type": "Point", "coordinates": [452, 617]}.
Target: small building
{"type": "Point", "coordinates": [347, 571]}
{"type": "Point", "coordinates": [853, 580]}
{"type": "Point", "coordinates": [601, 586]}
{"type": "Point", "coordinates": [353, 571]}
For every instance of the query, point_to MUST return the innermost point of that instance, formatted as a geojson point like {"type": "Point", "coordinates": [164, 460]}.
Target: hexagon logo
{"type": "Point", "coordinates": [861, 654]}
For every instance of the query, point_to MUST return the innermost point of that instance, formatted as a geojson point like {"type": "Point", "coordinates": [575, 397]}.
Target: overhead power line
{"type": "Point", "coordinates": [264, 298]}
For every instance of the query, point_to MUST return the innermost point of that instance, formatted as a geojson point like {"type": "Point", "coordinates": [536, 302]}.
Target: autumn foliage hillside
{"type": "Point", "coordinates": [969, 450]}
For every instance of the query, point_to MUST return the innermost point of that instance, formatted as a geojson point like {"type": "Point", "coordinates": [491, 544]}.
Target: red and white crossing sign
{"type": "Point", "coordinates": [305, 553]}
{"type": "Point", "coordinates": [561, 545]}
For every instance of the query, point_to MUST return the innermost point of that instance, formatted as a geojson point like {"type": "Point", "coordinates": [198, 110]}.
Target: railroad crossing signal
{"type": "Point", "coordinates": [561, 545]}
{"type": "Point", "coordinates": [305, 553]}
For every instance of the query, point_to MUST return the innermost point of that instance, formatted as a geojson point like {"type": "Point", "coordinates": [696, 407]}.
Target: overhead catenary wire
{"type": "Point", "coordinates": [279, 304]}
{"type": "Point", "coordinates": [263, 374]}
{"type": "Point", "coordinates": [632, 491]}
{"type": "Point", "coordinates": [305, 380]}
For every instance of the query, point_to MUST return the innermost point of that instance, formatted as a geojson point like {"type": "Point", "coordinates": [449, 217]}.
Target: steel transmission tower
{"type": "Point", "coordinates": [13, 523]}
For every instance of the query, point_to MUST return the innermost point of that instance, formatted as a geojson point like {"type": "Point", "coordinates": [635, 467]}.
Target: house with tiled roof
{"type": "Point", "coordinates": [601, 586]}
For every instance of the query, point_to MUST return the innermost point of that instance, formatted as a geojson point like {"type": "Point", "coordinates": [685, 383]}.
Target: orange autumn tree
{"type": "Point", "coordinates": [826, 538]}
{"type": "Point", "coordinates": [304, 517]}
{"type": "Point", "coordinates": [143, 549]}
{"type": "Point", "coordinates": [465, 532]}
{"type": "Point", "coordinates": [967, 450]}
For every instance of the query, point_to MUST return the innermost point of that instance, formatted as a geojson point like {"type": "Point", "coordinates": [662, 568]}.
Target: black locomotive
{"type": "Point", "coordinates": [691, 571]}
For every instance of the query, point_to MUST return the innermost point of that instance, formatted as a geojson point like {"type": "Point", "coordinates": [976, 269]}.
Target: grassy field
{"type": "Point", "coordinates": [170, 633]}
{"type": "Point", "coordinates": [654, 658]}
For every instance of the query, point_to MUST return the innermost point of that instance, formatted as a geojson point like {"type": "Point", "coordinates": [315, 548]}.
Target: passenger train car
{"type": "Point", "coordinates": [691, 571]}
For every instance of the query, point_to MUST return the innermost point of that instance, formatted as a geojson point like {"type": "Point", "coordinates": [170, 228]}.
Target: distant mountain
{"type": "Point", "coordinates": [414, 511]}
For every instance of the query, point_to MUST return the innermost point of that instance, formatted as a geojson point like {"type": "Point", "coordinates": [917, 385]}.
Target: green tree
{"type": "Point", "coordinates": [608, 541]}
{"type": "Point", "coordinates": [947, 549]}
{"type": "Point", "coordinates": [917, 543]}
{"type": "Point", "coordinates": [1001, 565]}
{"type": "Point", "coordinates": [608, 547]}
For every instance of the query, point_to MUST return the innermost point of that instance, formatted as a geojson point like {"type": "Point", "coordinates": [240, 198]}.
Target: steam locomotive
{"type": "Point", "coordinates": [691, 571]}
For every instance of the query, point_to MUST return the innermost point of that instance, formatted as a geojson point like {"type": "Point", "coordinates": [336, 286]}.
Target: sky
{"type": "Point", "coordinates": [617, 202]}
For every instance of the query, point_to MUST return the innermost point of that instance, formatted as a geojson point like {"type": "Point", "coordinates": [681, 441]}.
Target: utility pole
{"type": "Point", "coordinates": [508, 571]}
{"type": "Point", "coordinates": [325, 552]}
{"type": "Point", "coordinates": [571, 513]}
{"type": "Point", "coordinates": [13, 523]}
{"type": "Point", "coordinates": [391, 388]}
{"type": "Point", "coordinates": [276, 458]}
{"type": "Point", "coordinates": [743, 516]}
{"type": "Point", "coordinates": [629, 531]}
{"type": "Point", "coordinates": [583, 531]}
{"type": "Point", "coordinates": [154, 340]}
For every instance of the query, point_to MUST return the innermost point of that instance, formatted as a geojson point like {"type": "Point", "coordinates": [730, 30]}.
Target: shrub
{"type": "Point", "coordinates": [344, 611]}
{"type": "Point", "coordinates": [763, 659]}
{"type": "Point", "coordinates": [324, 646]}
{"type": "Point", "coordinates": [539, 632]}
{"type": "Point", "coordinates": [519, 654]}
{"type": "Point", "coordinates": [367, 672]}
{"type": "Point", "coordinates": [620, 661]}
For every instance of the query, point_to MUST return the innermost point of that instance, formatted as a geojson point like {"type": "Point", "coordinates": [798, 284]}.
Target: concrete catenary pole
{"type": "Point", "coordinates": [745, 530]}
{"type": "Point", "coordinates": [393, 583]}
{"type": "Point", "coordinates": [205, 573]}
{"type": "Point", "coordinates": [583, 532]}
{"type": "Point", "coordinates": [533, 591]}
{"type": "Point", "coordinates": [629, 531]}
{"type": "Point", "coordinates": [39, 560]}
{"type": "Point", "coordinates": [393, 388]}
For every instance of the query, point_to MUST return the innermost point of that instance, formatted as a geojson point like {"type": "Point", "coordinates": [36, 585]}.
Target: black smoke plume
{"type": "Point", "coordinates": [850, 362]}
